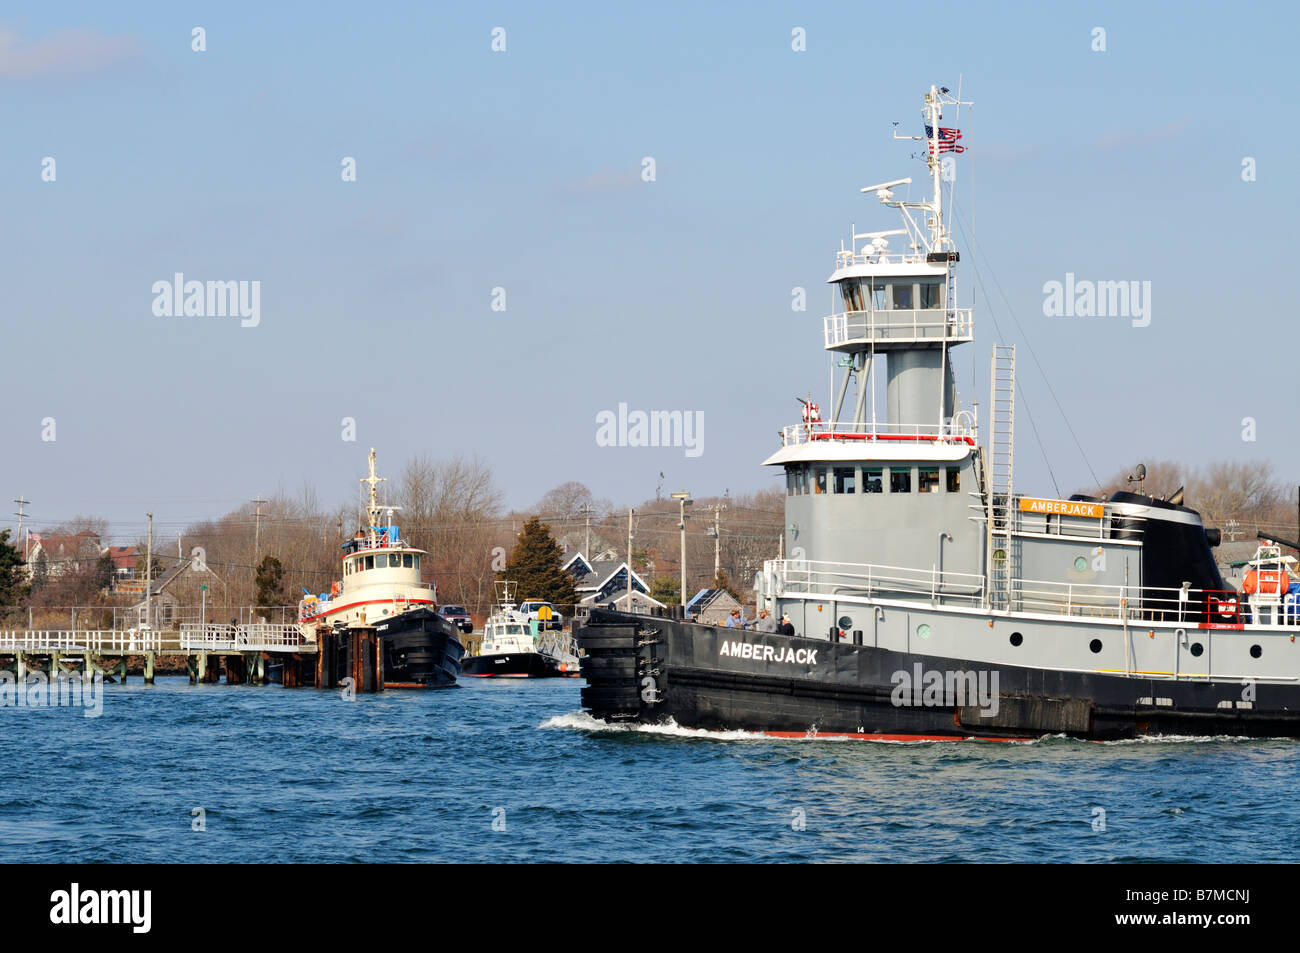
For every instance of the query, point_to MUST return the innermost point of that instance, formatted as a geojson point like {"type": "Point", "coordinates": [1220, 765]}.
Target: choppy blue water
{"type": "Point", "coordinates": [304, 775]}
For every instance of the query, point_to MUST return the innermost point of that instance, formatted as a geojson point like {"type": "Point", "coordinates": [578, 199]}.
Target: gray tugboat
{"type": "Point", "coordinates": [926, 597]}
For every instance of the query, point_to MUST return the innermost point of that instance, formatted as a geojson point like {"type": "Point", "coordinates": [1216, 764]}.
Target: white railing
{"type": "Point", "coordinates": [208, 637]}
{"type": "Point", "coordinates": [832, 580]}
{"type": "Point", "coordinates": [826, 580]}
{"type": "Point", "coordinates": [142, 640]}
{"type": "Point", "coordinates": [914, 433]}
{"type": "Point", "coordinates": [270, 636]}
{"type": "Point", "coordinates": [902, 325]}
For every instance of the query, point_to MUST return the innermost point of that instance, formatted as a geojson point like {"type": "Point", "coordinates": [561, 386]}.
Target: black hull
{"type": "Point", "coordinates": [651, 670]}
{"type": "Point", "coordinates": [511, 665]}
{"type": "Point", "coordinates": [420, 649]}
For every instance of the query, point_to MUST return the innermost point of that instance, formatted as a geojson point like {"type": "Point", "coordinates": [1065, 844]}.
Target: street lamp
{"type": "Point", "coordinates": [684, 500]}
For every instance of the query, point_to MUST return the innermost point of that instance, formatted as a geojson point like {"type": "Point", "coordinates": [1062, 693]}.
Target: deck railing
{"type": "Point", "coordinates": [884, 433]}
{"type": "Point", "coordinates": [828, 580]}
{"type": "Point", "coordinates": [903, 325]}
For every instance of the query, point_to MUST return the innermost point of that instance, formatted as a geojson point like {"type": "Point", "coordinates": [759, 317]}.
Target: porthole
{"type": "Point", "coordinates": [1095, 646]}
{"type": "Point", "coordinates": [1080, 563]}
{"type": "Point", "coordinates": [923, 630]}
{"type": "Point", "coordinates": [1196, 649]}
{"type": "Point", "coordinates": [846, 622]}
{"type": "Point", "coordinates": [1256, 651]}
{"type": "Point", "coordinates": [1017, 639]}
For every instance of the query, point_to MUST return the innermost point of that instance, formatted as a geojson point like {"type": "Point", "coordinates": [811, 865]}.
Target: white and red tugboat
{"type": "Point", "coordinates": [381, 587]}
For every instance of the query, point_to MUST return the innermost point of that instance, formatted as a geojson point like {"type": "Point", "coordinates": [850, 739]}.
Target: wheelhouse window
{"type": "Point", "coordinates": [930, 294]}
{"type": "Point", "coordinates": [900, 479]}
{"type": "Point", "coordinates": [370, 562]}
{"type": "Point", "coordinates": [902, 297]}
{"type": "Point", "coordinates": [927, 480]}
{"type": "Point", "coordinates": [408, 560]}
{"type": "Point", "coordinates": [878, 298]}
{"type": "Point", "coordinates": [819, 479]}
{"type": "Point", "coordinates": [852, 293]}
{"type": "Point", "coordinates": [845, 479]}
{"type": "Point", "coordinates": [872, 481]}
{"type": "Point", "coordinates": [791, 479]}
{"type": "Point", "coordinates": [954, 479]}
{"type": "Point", "coordinates": [417, 561]}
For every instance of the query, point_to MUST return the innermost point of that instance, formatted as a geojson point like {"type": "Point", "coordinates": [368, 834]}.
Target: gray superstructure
{"type": "Point", "coordinates": [927, 596]}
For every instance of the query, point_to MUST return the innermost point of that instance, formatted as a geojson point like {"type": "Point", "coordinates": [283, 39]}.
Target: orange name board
{"type": "Point", "coordinates": [1062, 507]}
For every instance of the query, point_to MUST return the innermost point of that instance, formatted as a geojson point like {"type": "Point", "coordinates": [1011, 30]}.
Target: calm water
{"type": "Point", "coordinates": [303, 775]}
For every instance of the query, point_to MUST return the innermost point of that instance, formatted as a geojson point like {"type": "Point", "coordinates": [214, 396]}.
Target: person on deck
{"type": "Point", "coordinates": [766, 621]}
{"type": "Point", "coordinates": [786, 627]}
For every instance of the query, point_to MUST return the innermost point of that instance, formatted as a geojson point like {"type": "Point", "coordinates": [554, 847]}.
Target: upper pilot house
{"type": "Point", "coordinates": [863, 481]}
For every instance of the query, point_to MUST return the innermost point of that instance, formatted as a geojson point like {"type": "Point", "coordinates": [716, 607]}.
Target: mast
{"type": "Point", "coordinates": [372, 511]}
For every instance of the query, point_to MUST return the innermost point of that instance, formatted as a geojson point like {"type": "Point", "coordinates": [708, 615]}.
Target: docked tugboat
{"type": "Point", "coordinates": [922, 595]}
{"type": "Point", "coordinates": [516, 646]}
{"type": "Point", "coordinates": [381, 588]}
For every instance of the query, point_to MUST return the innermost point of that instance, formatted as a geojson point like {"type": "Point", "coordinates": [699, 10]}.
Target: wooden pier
{"type": "Point", "coordinates": [246, 652]}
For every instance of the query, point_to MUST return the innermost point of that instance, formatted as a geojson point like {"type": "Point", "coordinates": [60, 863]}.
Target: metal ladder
{"type": "Point", "coordinates": [1003, 568]}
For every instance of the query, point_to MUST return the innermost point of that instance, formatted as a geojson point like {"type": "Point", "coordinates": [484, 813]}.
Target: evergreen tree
{"type": "Point", "coordinates": [270, 582]}
{"type": "Point", "coordinates": [104, 572]}
{"type": "Point", "coordinates": [13, 582]}
{"type": "Point", "coordinates": [720, 581]}
{"type": "Point", "coordinates": [667, 590]}
{"type": "Point", "coordinates": [536, 565]}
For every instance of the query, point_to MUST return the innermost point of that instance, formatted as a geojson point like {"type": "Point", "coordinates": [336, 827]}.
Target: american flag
{"type": "Point", "coordinates": [947, 139]}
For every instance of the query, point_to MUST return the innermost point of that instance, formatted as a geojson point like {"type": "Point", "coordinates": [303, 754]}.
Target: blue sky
{"type": "Point", "coordinates": [520, 170]}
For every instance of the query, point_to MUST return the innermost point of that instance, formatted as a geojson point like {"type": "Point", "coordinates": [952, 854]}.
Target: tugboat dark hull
{"type": "Point", "coordinates": [511, 665]}
{"type": "Point", "coordinates": [420, 649]}
{"type": "Point", "coordinates": [653, 670]}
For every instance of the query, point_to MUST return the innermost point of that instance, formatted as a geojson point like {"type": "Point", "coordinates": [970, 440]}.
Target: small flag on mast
{"type": "Point", "coordinates": [947, 139]}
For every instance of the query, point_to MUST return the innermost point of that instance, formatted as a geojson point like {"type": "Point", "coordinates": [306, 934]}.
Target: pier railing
{"type": "Point", "coordinates": [241, 638]}
{"type": "Point", "coordinates": [111, 641]}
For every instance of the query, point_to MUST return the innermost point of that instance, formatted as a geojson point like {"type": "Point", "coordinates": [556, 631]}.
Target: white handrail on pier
{"type": "Point", "coordinates": [262, 636]}
{"type": "Point", "coordinates": [113, 640]}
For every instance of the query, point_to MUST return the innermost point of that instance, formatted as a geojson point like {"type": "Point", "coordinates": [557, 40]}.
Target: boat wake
{"type": "Point", "coordinates": [581, 721]}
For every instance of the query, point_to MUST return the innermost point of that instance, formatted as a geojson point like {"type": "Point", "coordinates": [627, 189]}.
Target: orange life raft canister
{"type": "Point", "coordinates": [1270, 582]}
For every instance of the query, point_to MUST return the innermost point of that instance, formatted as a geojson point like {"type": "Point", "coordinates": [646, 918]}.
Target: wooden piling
{"type": "Point", "coordinates": [148, 668]}
{"type": "Point", "coordinates": [236, 669]}
{"type": "Point", "coordinates": [192, 667]}
{"type": "Point", "coordinates": [212, 674]}
{"type": "Point", "coordinates": [363, 657]}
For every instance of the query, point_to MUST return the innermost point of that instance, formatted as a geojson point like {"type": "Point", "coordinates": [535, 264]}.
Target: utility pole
{"type": "Point", "coordinates": [586, 511]}
{"type": "Point", "coordinates": [21, 501]}
{"type": "Point", "coordinates": [148, 574]}
{"type": "Point", "coordinates": [630, 513]}
{"type": "Point", "coordinates": [684, 500]}
{"type": "Point", "coordinates": [257, 532]}
{"type": "Point", "coordinates": [716, 533]}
